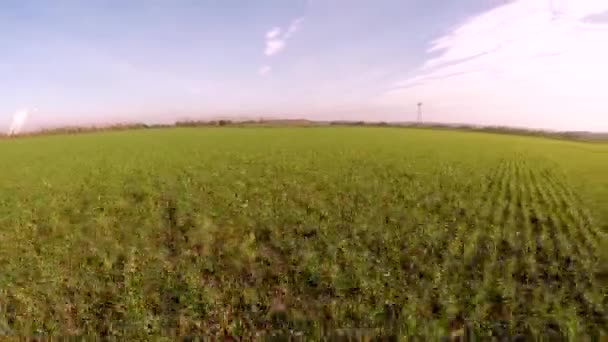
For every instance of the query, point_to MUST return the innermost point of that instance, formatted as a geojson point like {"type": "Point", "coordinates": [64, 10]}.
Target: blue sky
{"type": "Point", "coordinates": [532, 63]}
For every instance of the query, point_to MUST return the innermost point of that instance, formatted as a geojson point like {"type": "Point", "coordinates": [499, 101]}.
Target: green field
{"type": "Point", "coordinates": [314, 231]}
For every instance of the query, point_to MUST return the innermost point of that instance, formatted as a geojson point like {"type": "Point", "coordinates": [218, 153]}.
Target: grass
{"type": "Point", "coordinates": [250, 232]}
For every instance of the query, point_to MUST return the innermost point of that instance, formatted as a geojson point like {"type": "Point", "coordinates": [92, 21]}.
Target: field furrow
{"type": "Point", "coordinates": [568, 269]}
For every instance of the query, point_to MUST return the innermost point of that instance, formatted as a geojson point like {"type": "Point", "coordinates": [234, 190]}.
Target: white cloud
{"type": "Point", "coordinates": [264, 69]}
{"type": "Point", "coordinates": [535, 63]}
{"type": "Point", "coordinates": [293, 27]}
{"type": "Point", "coordinates": [276, 39]}
{"type": "Point", "coordinates": [274, 46]}
{"type": "Point", "coordinates": [273, 33]}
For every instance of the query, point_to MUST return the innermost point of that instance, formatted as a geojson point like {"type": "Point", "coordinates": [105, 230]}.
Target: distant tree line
{"type": "Point", "coordinates": [571, 135]}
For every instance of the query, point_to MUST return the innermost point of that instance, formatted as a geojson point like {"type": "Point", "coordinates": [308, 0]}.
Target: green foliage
{"type": "Point", "coordinates": [250, 232]}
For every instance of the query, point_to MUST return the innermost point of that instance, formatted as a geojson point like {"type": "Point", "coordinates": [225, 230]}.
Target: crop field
{"type": "Point", "coordinates": [303, 232]}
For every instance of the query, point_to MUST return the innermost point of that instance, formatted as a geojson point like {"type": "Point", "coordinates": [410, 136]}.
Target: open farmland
{"type": "Point", "coordinates": [245, 231]}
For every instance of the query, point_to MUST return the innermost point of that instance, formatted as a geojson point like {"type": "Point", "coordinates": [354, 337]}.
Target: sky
{"type": "Point", "coordinates": [522, 63]}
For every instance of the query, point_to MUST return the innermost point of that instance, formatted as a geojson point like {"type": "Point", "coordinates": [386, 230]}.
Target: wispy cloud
{"type": "Point", "coordinates": [274, 46]}
{"type": "Point", "coordinates": [273, 33]}
{"type": "Point", "coordinates": [276, 39]}
{"type": "Point", "coordinates": [264, 70]}
{"type": "Point", "coordinates": [527, 62]}
{"type": "Point", "coordinates": [293, 27]}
